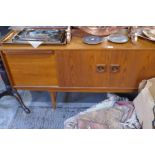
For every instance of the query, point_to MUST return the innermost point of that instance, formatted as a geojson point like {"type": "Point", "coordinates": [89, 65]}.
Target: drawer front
{"type": "Point", "coordinates": [83, 68]}
{"type": "Point", "coordinates": [31, 67]}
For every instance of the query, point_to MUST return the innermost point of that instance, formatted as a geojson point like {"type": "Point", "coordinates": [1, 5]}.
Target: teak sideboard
{"type": "Point", "coordinates": [77, 67]}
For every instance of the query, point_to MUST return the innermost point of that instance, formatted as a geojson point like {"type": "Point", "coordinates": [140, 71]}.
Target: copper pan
{"type": "Point", "coordinates": [101, 30]}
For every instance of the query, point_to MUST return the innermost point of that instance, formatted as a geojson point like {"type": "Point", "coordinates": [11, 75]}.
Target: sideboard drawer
{"type": "Point", "coordinates": [31, 67]}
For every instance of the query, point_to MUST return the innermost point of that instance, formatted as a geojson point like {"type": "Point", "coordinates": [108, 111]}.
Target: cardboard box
{"type": "Point", "coordinates": [144, 103]}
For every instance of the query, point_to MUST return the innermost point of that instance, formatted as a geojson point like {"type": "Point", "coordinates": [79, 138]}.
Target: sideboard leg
{"type": "Point", "coordinates": [53, 99]}
{"type": "Point", "coordinates": [19, 99]}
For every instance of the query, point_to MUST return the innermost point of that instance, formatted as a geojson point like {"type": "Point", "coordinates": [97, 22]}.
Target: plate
{"type": "Point", "coordinates": [118, 38]}
{"type": "Point", "coordinates": [92, 40]}
{"type": "Point", "coordinates": [150, 33]}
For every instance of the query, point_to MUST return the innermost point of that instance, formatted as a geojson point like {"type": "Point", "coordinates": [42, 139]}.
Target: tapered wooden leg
{"type": "Point", "coordinates": [53, 99]}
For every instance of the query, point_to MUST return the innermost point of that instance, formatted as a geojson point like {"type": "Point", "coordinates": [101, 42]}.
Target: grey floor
{"type": "Point", "coordinates": [42, 116]}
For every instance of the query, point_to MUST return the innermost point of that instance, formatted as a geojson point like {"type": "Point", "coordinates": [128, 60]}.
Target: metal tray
{"type": "Point", "coordinates": [150, 33]}
{"type": "Point", "coordinates": [144, 37]}
{"type": "Point", "coordinates": [47, 36]}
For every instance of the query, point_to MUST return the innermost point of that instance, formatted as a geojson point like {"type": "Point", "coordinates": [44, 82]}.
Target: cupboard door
{"type": "Point", "coordinates": [82, 68]}
{"type": "Point", "coordinates": [128, 67]}
{"type": "Point", "coordinates": [31, 67]}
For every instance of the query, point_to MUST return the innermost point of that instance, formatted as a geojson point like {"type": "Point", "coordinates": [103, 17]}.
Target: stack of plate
{"type": "Point", "coordinates": [92, 40]}
{"type": "Point", "coordinates": [115, 38]}
{"type": "Point", "coordinates": [118, 38]}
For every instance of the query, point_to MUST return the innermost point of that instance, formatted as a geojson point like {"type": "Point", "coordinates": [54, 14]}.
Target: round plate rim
{"type": "Point", "coordinates": [127, 39]}
{"type": "Point", "coordinates": [92, 43]}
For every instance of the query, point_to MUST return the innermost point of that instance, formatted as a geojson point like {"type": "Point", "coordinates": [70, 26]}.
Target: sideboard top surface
{"type": "Point", "coordinates": [77, 44]}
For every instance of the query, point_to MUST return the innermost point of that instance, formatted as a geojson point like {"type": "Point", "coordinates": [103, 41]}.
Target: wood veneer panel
{"type": "Point", "coordinates": [27, 68]}
{"type": "Point", "coordinates": [135, 66]}
{"type": "Point", "coordinates": [78, 68]}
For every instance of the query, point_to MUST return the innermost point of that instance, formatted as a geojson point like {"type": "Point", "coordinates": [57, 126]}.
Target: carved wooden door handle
{"type": "Point", "coordinates": [100, 68]}
{"type": "Point", "coordinates": [114, 68]}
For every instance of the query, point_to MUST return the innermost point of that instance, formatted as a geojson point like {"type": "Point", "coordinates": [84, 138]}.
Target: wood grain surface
{"type": "Point", "coordinates": [77, 44]}
{"type": "Point", "coordinates": [31, 68]}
